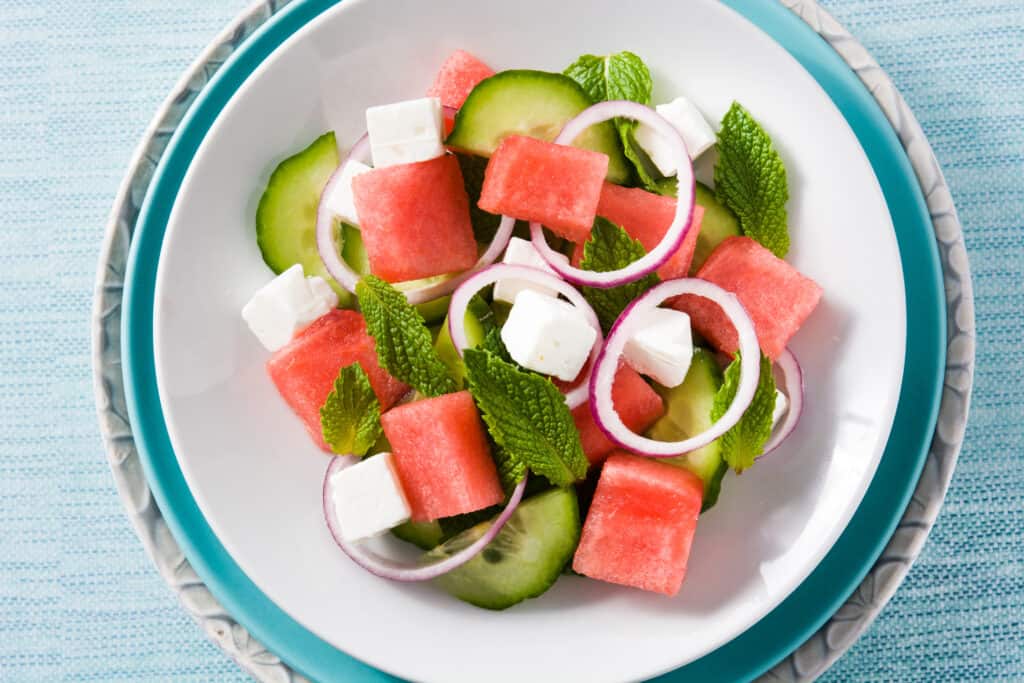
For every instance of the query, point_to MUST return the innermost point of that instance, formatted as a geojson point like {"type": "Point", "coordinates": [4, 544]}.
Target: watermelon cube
{"type": "Point", "coordinates": [777, 297]}
{"type": "Point", "coordinates": [641, 523]}
{"type": "Point", "coordinates": [304, 371]}
{"type": "Point", "coordinates": [646, 216]}
{"type": "Point", "coordinates": [457, 77]}
{"type": "Point", "coordinates": [442, 456]}
{"type": "Point", "coordinates": [414, 219]}
{"type": "Point", "coordinates": [556, 185]}
{"type": "Point", "coordinates": [637, 403]}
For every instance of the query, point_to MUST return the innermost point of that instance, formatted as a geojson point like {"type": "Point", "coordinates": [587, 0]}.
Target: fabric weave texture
{"type": "Point", "coordinates": [79, 82]}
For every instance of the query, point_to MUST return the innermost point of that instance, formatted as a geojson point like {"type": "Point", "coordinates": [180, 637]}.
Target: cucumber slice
{"type": "Point", "coordinates": [718, 223]}
{"type": "Point", "coordinates": [353, 252]}
{"type": "Point", "coordinates": [352, 249]}
{"type": "Point", "coordinates": [286, 216]}
{"type": "Point", "coordinates": [688, 412]}
{"type": "Point", "coordinates": [434, 311]}
{"type": "Point", "coordinates": [479, 320]}
{"type": "Point", "coordinates": [429, 535]}
{"type": "Point", "coordinates": [524, 560]}
{"type": "Point", "coordinates": [423, 535]}
{"type": "Point", "coordinates": [534, 103]}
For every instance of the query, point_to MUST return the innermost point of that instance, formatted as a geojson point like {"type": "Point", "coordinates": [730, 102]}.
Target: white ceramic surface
{"type": "Point", "coordinates": [256, 476]}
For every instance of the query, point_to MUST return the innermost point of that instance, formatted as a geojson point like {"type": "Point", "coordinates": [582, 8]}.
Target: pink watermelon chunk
{"type": "Point", "coordinates": [414, 219]}
{"type": "Point", "coordinates": [646, 216]}
{"type": "Point", "coordinates": [637, 403]}
{"type": "Point", "coordinates": [305, 370]}
{"type": "Point", "coordinates": [556, 185]}
{"type": "Point", "coordinates": [457, 77]}
{"type": "Point", "coordinates": [640, 526]}
{"type": "Point", "coordinates": [442, 456]}
{"type": "Point", "coordinates": [777, 297]}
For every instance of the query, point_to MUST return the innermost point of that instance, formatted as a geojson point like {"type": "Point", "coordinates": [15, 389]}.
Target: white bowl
{"type": "Point", "coordinates": [256, 475]}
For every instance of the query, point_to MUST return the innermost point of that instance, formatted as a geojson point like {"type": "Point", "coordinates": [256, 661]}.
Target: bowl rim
{"type": "Point", "coordinates": [119, 436]}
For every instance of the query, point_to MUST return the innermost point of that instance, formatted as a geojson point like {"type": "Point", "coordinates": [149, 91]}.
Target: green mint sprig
{"type": "Point", "coordinates": [750, 179]}
{"type": "Point", "coordinates": [611, 248]}
{"type": "Point", "coordinates": [350, 419]}
{"type": "Point", "coordinates": [742, 444]}
{"type": "Point", "coordinates": [621, 76]}
{"type": "Point", "coordinates": [404, 345]}
{"type": "Point", "coordinates": [527, 417]}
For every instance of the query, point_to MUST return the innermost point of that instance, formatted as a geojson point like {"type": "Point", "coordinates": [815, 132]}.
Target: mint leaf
{"type": "Point", "coordinates": [527, 417]}
{"type": "Point", "coordinates": [492, 342]}
{"type": "Point", "coordinates": [350, 419]}
{"type": "Point", "coordinates": [404, 345]}
{"type": "Point", "coordinates": [622, 76]}
{"type": "Point", "coordinates": [669, 187]}
{"type": "Point", "coordinates": [745, 441]}
{"type": "Point", "coordinates": [611, 248]}
{"type": "Point", "coordinates": [750, 179]}
{"type": "Point", "coordinates": [511, 469]}
{"type": "Point", "coordinates": [648, 173]}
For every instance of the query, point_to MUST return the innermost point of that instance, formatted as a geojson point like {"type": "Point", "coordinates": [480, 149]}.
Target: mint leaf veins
{"type": "Point", "coordinates": [527, 417]}
{"type": "Point", "coordinates": [750, 179]}
{"type": "Point", "coordinates": [611, 248]}
{"type": "Point", "coordinates": [745, 441]}
{"type": "Point", "coordinates": [621, 76]}
{"type": "Point", "coordinates": [350, 419]}
{"type": "Point", "coordinates": [404, 345]}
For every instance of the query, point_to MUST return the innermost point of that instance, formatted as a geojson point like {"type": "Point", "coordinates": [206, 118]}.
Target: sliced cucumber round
{"type": "Point", "coordinates": [286, 216]}
{"type": "Point", "coordinates": [525, 559]}
{"type": "Point", "coordinates": [479, 319]}
{"type": "Point", "coordinates": [424, 535]}
{"type": "Point", "coordinates": [533, 103]}
{"type": "Point", "coordinates": [718, 224]}
{"type": "Point", "coordinates": [687, 413]}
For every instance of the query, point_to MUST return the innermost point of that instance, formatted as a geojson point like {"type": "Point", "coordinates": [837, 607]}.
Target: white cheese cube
{"type": "Point", "coordinates": [692, 126]}
{"type": "Point", "coordinates": [663, 348]}
{"type": "Point", "coordinates": [339, 198]}
{"type": "Point", "coordinates": [781, 407]}
{"type": "Point", "coordinates": [405, 132]}
{"type": "Point", "coordinates": [521, 252]}
{"type": "Point", "coordinates": [548, 335]}
{"type": "Point", "coordinates": [368, 498]}
{"type": "Point", "coordinates": [287, 305]}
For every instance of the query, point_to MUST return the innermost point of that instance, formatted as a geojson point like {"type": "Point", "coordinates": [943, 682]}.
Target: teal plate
{"type": "Point", "coordinates": [761, 646]}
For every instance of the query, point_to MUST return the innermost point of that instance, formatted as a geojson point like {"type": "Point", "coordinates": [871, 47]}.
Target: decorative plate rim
{"type": "Point", "coordinates": [807, 661]}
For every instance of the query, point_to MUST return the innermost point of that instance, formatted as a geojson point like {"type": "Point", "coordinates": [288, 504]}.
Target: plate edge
{"type": "Point", "coordinates": [824, 647]}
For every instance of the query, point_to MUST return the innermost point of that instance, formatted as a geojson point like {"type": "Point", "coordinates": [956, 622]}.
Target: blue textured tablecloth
{"type": "Point", "coordinates": [80, 80]}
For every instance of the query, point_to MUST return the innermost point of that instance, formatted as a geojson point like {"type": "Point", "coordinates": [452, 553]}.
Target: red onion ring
{"type": "Point", "coordinates": [676, 232]}
{"type": "Point", "coordinates": [348, 278]}
{"type": "Point", "coordinates": [398, 571]}
{"type": "Point", "coordinates": [488, 276]}
{"type": "Point", "coordinates": [793, 381]}
{"type": "Point", "coordinates": [628, 324]}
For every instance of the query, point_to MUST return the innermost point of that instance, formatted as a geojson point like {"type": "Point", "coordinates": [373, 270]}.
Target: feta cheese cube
{"type": "Point", "coordinates": [663, 348]}
{"type": "Point", "coordinates": [287, 305]}
{"type": "Point", "coordinates": [405, 132]}
{"type": "Point", "coordinates": [368, 498]}
{"type": "Point", "coordinates": [692, 126]}
{"type": "Point", "coordinates": [548, 335]}
{"type": "Point", "coordinates": [521, 252]}
{"type": "Point", "coordinates": [339, 198]}
{"type": "Point", "coordinates": [781, 408]}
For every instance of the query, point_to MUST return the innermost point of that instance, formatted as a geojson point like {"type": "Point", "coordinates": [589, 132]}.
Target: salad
{"type": "Point", "coordinates": [531, 341]}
